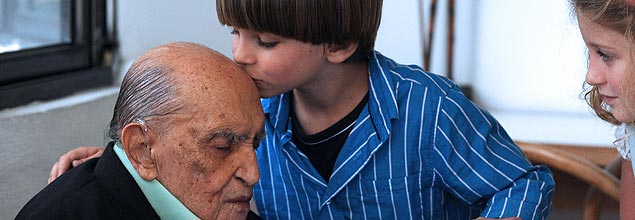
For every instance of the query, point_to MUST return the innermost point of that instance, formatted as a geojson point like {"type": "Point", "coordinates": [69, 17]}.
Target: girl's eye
{"type": "Point", "coordinates": [233, 31]}
{"type": "Point", "coordinates": [266, 44]}
{"type": "Point", "coordinates": [605, 57]}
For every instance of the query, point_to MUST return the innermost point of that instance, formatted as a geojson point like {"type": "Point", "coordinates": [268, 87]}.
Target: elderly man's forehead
{"type": "Point", "coordinates": [191, 61]}
{"type": "Point", "coordinates": [184, 50]}
{"type": "Point", "coordinates": [201, 73]}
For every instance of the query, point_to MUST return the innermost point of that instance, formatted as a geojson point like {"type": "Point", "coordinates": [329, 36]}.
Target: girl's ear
{"type": "Point", "coordinates": [137, 144]}
{"type": "Point", "coordinates": [338, 53]}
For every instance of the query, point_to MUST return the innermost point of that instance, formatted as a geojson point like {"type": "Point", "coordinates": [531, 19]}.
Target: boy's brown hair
{"type": "Point", "coordinates": [335, 22]}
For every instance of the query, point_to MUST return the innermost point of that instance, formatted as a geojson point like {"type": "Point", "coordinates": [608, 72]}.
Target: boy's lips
{"type": "Point", "coordinates": [259, 83]}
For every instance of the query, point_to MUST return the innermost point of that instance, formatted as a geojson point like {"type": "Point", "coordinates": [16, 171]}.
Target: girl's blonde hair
{"type": "Point", "coordinates": [617, 16]}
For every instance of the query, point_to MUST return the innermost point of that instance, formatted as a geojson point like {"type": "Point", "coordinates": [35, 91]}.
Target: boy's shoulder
{"type": "Point", "coordinates": [397, 73]}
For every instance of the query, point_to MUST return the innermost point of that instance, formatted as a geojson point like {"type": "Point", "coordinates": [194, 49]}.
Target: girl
{"type": "Point", "coordinates": [608, 29]}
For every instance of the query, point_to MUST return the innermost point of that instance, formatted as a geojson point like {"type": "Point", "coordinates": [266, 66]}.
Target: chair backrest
{"type": "Point", "coordinates": [603, 181]}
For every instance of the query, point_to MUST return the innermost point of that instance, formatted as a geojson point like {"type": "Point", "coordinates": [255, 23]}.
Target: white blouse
{"type": "Point", "coordinates": [625, 140]}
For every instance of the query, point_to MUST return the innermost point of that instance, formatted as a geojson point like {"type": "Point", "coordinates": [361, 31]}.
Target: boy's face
{"type": "Point", "coordinates": [277, 64]}
{"type": "Point", "coordinates": [609, 64]}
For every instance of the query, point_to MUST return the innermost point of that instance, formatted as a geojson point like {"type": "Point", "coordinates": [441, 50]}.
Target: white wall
{"type": "Point", "coordinates": [529, 69]}
{"type": "Point", "coordinates": [399, 36]}
{"type": "Point", "coordinates": [403, 32]}
{"type": "Point", "coordinates": [144, 24]}
{"type": "Point", "coordinates": [525, 61]}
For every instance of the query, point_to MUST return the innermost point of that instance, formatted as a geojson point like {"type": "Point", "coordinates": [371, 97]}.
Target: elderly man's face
{"type": "Point", "coordinates": [205, 155]}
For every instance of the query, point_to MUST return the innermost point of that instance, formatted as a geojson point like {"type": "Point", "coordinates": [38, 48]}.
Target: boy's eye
{"type": "Point", "coordinates": [267, 44]}
{"type": "Point", "coordinates": [233, 31]}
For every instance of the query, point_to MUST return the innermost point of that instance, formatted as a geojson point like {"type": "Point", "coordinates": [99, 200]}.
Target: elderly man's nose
{"type": "Point", "coordinates": [247, 170]}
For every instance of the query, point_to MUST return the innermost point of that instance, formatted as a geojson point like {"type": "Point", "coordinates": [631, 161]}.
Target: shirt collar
{"type": "Point", "coordinates": [164, 203]}
{"type": "Point", "coordinates": [382, 100]}
{"type": "Point", "coordinates": [277, 111]}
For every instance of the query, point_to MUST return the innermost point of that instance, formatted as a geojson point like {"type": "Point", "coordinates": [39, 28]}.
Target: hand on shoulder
{"type": "Point", "coordinates": [74, 158]}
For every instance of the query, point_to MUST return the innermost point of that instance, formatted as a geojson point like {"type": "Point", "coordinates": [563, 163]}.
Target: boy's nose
{"type": "Point", "coordinates": [242, 54]}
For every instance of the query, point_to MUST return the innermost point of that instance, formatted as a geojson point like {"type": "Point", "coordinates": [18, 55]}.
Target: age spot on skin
{"type": "Point", "coordinates": [198, 168]}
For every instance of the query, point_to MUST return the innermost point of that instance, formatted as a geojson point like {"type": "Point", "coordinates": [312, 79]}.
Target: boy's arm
{"type": "Point", "coordinates": [479, 163]}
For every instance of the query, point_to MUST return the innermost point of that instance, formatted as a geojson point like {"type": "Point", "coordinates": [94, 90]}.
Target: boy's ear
{"type": "Point", "coordinates": [338, 53]}
{"type": "Point", "coordinates": [137, 145]}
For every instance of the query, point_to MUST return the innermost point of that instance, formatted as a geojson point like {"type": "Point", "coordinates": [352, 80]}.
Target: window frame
{"type": "Point", "coordinates": [50, 72]}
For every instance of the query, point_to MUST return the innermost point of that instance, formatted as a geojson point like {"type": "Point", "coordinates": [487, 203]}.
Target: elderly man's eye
{"type": "Point", "coordinates": [221, 144]}
{"type": "Point", "coordinates": [224, 148]}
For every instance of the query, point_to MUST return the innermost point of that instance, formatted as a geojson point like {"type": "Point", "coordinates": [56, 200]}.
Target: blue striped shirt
{"type": "Point", "coordinates": [419, 150]}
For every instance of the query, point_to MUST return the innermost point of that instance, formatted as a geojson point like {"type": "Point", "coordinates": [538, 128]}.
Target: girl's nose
{"type": "Point", "coordinates": [594, 75]}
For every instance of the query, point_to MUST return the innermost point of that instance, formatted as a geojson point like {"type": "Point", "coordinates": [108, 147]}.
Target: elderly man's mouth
{"type": "Point", "coordinates": [241, 201]}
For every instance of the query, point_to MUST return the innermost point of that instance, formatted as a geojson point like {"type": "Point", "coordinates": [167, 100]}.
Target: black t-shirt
{"type": "Point", "coordinates": [322, 148]}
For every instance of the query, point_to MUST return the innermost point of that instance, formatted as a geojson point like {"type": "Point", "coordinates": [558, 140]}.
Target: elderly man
{"type": "Point", "coordinates": [185, 126]}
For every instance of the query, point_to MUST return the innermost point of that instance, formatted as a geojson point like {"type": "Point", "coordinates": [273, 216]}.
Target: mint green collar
{"type": "Point", "coordinates": [164, 203]}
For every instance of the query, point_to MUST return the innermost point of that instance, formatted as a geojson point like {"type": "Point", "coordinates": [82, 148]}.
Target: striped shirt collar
{"type": "Point", "coordinates": [381, 88]}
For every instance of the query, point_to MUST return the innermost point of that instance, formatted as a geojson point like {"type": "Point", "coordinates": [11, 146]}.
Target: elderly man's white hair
{"type": "Point", "coordinates": [148, 88]}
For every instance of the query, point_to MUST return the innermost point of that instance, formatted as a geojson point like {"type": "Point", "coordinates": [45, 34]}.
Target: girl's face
{"type": "Point", "coordinates": [277, 64]}
{"type": "Point", "coordinates": [609, 63]}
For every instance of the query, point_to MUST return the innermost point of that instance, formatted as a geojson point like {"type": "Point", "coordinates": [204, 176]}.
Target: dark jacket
{"type": "Point", "coordinates": [100, 188]}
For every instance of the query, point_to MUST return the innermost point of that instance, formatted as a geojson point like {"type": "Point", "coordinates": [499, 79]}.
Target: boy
{"type": "Point", "coordinates": [352, 134]}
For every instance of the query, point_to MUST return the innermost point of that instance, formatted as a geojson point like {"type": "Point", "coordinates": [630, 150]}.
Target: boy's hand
{"type": "Point", "coordinates": [75, 157]}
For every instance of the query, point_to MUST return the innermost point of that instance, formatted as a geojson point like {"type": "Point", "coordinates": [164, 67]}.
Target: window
{"type": "Point", "coordinates": [52, 48]}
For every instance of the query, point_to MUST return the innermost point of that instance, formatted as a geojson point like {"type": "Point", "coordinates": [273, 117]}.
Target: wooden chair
{"type": "Point", "coordinates": [603, 181]}
{"type": "Point", "coordinates": [595, 197]}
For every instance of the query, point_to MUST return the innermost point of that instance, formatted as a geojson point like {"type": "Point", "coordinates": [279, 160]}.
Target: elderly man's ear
{"type": "Point", "coordinates": [138, 146]}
